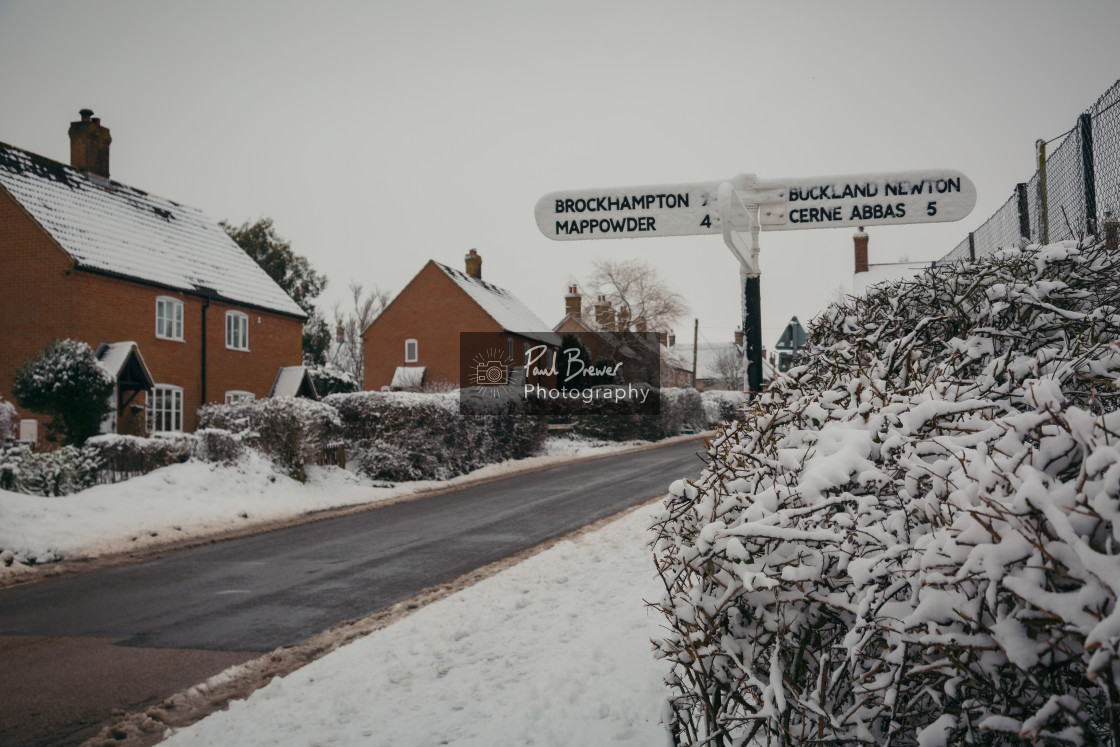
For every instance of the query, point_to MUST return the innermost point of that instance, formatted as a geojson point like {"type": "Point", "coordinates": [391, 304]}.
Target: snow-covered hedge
{"type": "Point", "coordinates": [122, 457]}
{"type": "Point", "coordinates": [628, 420]}
{"type": "Point", "coordinates": [914, 539]}
{"type": "Point", "coordinates": [721, 406]}
{"type": "Point", "coordinates": [681, 409]}
{"type": "Point", "coordinates": [60, 472]}
{"type": "Point", "coordinates": [293, 432]}
{"type": "Point", "coordinates": [413, 436]}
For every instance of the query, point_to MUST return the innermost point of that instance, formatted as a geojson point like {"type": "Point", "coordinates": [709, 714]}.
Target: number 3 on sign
{"type": "Point", "coordinates": [931, 209]}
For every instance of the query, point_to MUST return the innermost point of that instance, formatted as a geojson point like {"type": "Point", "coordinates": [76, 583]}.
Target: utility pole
{"type": "Point", "coordinates": [695, 339]}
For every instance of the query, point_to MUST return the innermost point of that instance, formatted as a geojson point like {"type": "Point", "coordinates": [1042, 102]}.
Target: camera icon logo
{"type": "Point", "coordinates": [491, 373]}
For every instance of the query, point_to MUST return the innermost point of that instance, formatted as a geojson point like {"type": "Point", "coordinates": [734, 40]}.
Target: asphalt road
{"type": "Point", "coordinates": [159, 626]}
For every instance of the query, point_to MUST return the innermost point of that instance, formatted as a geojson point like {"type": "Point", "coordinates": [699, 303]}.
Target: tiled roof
{"type": "Point", "coordinates": [503, 307]}
{"type": "Point", "coordinates": [109, 227]}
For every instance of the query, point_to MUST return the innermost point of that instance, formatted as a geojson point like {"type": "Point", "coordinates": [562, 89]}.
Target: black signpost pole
{"type": "Point", "coordinates": [752, 333]}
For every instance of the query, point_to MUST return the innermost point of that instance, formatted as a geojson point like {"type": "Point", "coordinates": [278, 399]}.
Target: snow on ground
{"type": "Point", "coordinates": [554, 651]}
{"type": "Point", "coordinates": [197, 499]}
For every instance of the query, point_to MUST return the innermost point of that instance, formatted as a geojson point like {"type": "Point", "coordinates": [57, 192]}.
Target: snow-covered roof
{"type": "Point", "coordinates": [293, 381]}
{"type": "Point", "coordinates": [503, 307]}
{"type": "Point", "coordinates": [408, 377]}
{"type": "Point", "coordinates": [112, 228]}
{"type": "Point", "coordinates": [114, 356]}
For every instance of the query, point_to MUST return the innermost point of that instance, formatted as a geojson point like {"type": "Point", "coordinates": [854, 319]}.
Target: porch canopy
{"type": "Point", "coordinates": [125, 364]}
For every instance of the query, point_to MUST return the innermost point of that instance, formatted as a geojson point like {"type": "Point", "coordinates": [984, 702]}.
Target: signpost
{"type": "Point", "coordinates": [747, 204]}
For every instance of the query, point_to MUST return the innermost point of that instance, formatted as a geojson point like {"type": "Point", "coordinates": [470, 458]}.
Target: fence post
{"type": "Point", "coordinates": [1044, 208]}
{"type": "Point", "coordinates": [1024, 211]}
{"type": "Point", "coordinates": [971, 247]}
{"type": "Point", "coordinates": [1089, 171]}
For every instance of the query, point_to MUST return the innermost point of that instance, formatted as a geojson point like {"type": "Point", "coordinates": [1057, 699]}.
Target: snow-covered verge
{"type": "Point", "coordinates": [554, 651]}
{"type": "Point", "coordinates": [196, 499]}
{"type": "Point", "coordinates": [914, 539]}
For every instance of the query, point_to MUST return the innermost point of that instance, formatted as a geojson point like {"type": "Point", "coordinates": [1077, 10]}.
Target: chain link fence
{"type": "Point", "coordinates": [1074, 193]}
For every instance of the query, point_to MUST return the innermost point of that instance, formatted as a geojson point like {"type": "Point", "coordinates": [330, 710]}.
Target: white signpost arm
{"type": "Point", "coordinates": [733, 209]}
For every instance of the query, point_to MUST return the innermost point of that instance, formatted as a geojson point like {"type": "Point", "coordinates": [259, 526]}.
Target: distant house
{"type": "Point", "coordinates": [414, 343]}
{"type": "Point", "coordinates": [719, 365]}
{"type": "Point", "coordinates": [603, 343]}
{"type": "Point", "coordinates": [176, 311]}
{"type": "Point", "coordinates": [867, 274]}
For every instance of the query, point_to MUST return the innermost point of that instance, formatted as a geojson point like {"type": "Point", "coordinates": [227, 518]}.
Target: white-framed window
{"type": "Point", "coordinates": [169, 318]}
{"type": "Point", "coordinates": [234, 396]}
{"type": "Point", "coordinates": [165, 409]}
{"type": "Point", "coordinates": [237, 330]}
{"type": "Point", "coordinates": [411, 351]}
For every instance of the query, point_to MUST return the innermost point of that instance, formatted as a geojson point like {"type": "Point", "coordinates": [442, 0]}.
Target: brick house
{"type": "Point", "coordinates": [597, 335]}
{"type": "Point", "coordinates": [176, 310]}
{"type": "Point", "coordinates": [414, 342]}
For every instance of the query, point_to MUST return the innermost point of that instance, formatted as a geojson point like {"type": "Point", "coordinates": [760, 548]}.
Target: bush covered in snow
{"type": "Point", "coordinates": [293, 432]}
{"type": "Point", "coordinates": [721, 406]}
{"type": "Point", "coordinates": [914, 539]}
{"type": "Point", "coordinates": [608, 419]}
{"type": "Point", "coordinates": [65, 382]}
{"type": "Point", "coordinates": [681, 410]}
{"type": "Point", "coordinates": [8, 419]}
{"type": "Point", "coordinates": [60, 472]}
{"type": "Point", "coordinates": [330, 379]}
{"type": "Point", "coordinates": [412, 436]}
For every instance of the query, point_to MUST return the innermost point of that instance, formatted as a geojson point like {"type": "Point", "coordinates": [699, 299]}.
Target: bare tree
{"type": "Point", "coordinates": [640, 300]}
{"type": "Point", "coordinates": [350, 326]}
{"type": "Point", "coordinates": [728, 367]}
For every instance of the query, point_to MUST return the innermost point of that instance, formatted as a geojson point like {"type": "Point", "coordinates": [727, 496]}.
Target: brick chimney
{"type": "Point", "coordinates": [672, 339]}
{"type": "Point", "coordinates": [474, 264]}
{"type": "Point", "coordinates": [604, 314]}
{"type": "Point", "coordinates": [860, 239]}
{"type": "Point", "coordinates": [739, 337]}
{"type": "Point", "coordinates": [89, 145]}
{"type": "Point", "coordinates": [573, 302]}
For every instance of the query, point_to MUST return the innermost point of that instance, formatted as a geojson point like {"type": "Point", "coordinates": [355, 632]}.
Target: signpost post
{"type": "Point", "coordinates": [747, 205]}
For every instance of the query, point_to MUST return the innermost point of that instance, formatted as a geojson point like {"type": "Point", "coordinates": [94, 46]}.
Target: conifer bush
{"type": "Point", "coordinates": [913, 538]}
{"type": "Point", "coordinates": [65, 382]}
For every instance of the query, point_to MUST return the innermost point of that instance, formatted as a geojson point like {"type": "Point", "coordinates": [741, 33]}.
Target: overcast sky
{"type": "Point", "coordinates": [378, 135]}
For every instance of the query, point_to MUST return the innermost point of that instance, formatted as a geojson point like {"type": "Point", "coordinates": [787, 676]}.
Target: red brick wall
{"type": "Point", "coordinates": [42, 297]}
{"type": "Point", "coordinates": [433, 310]}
